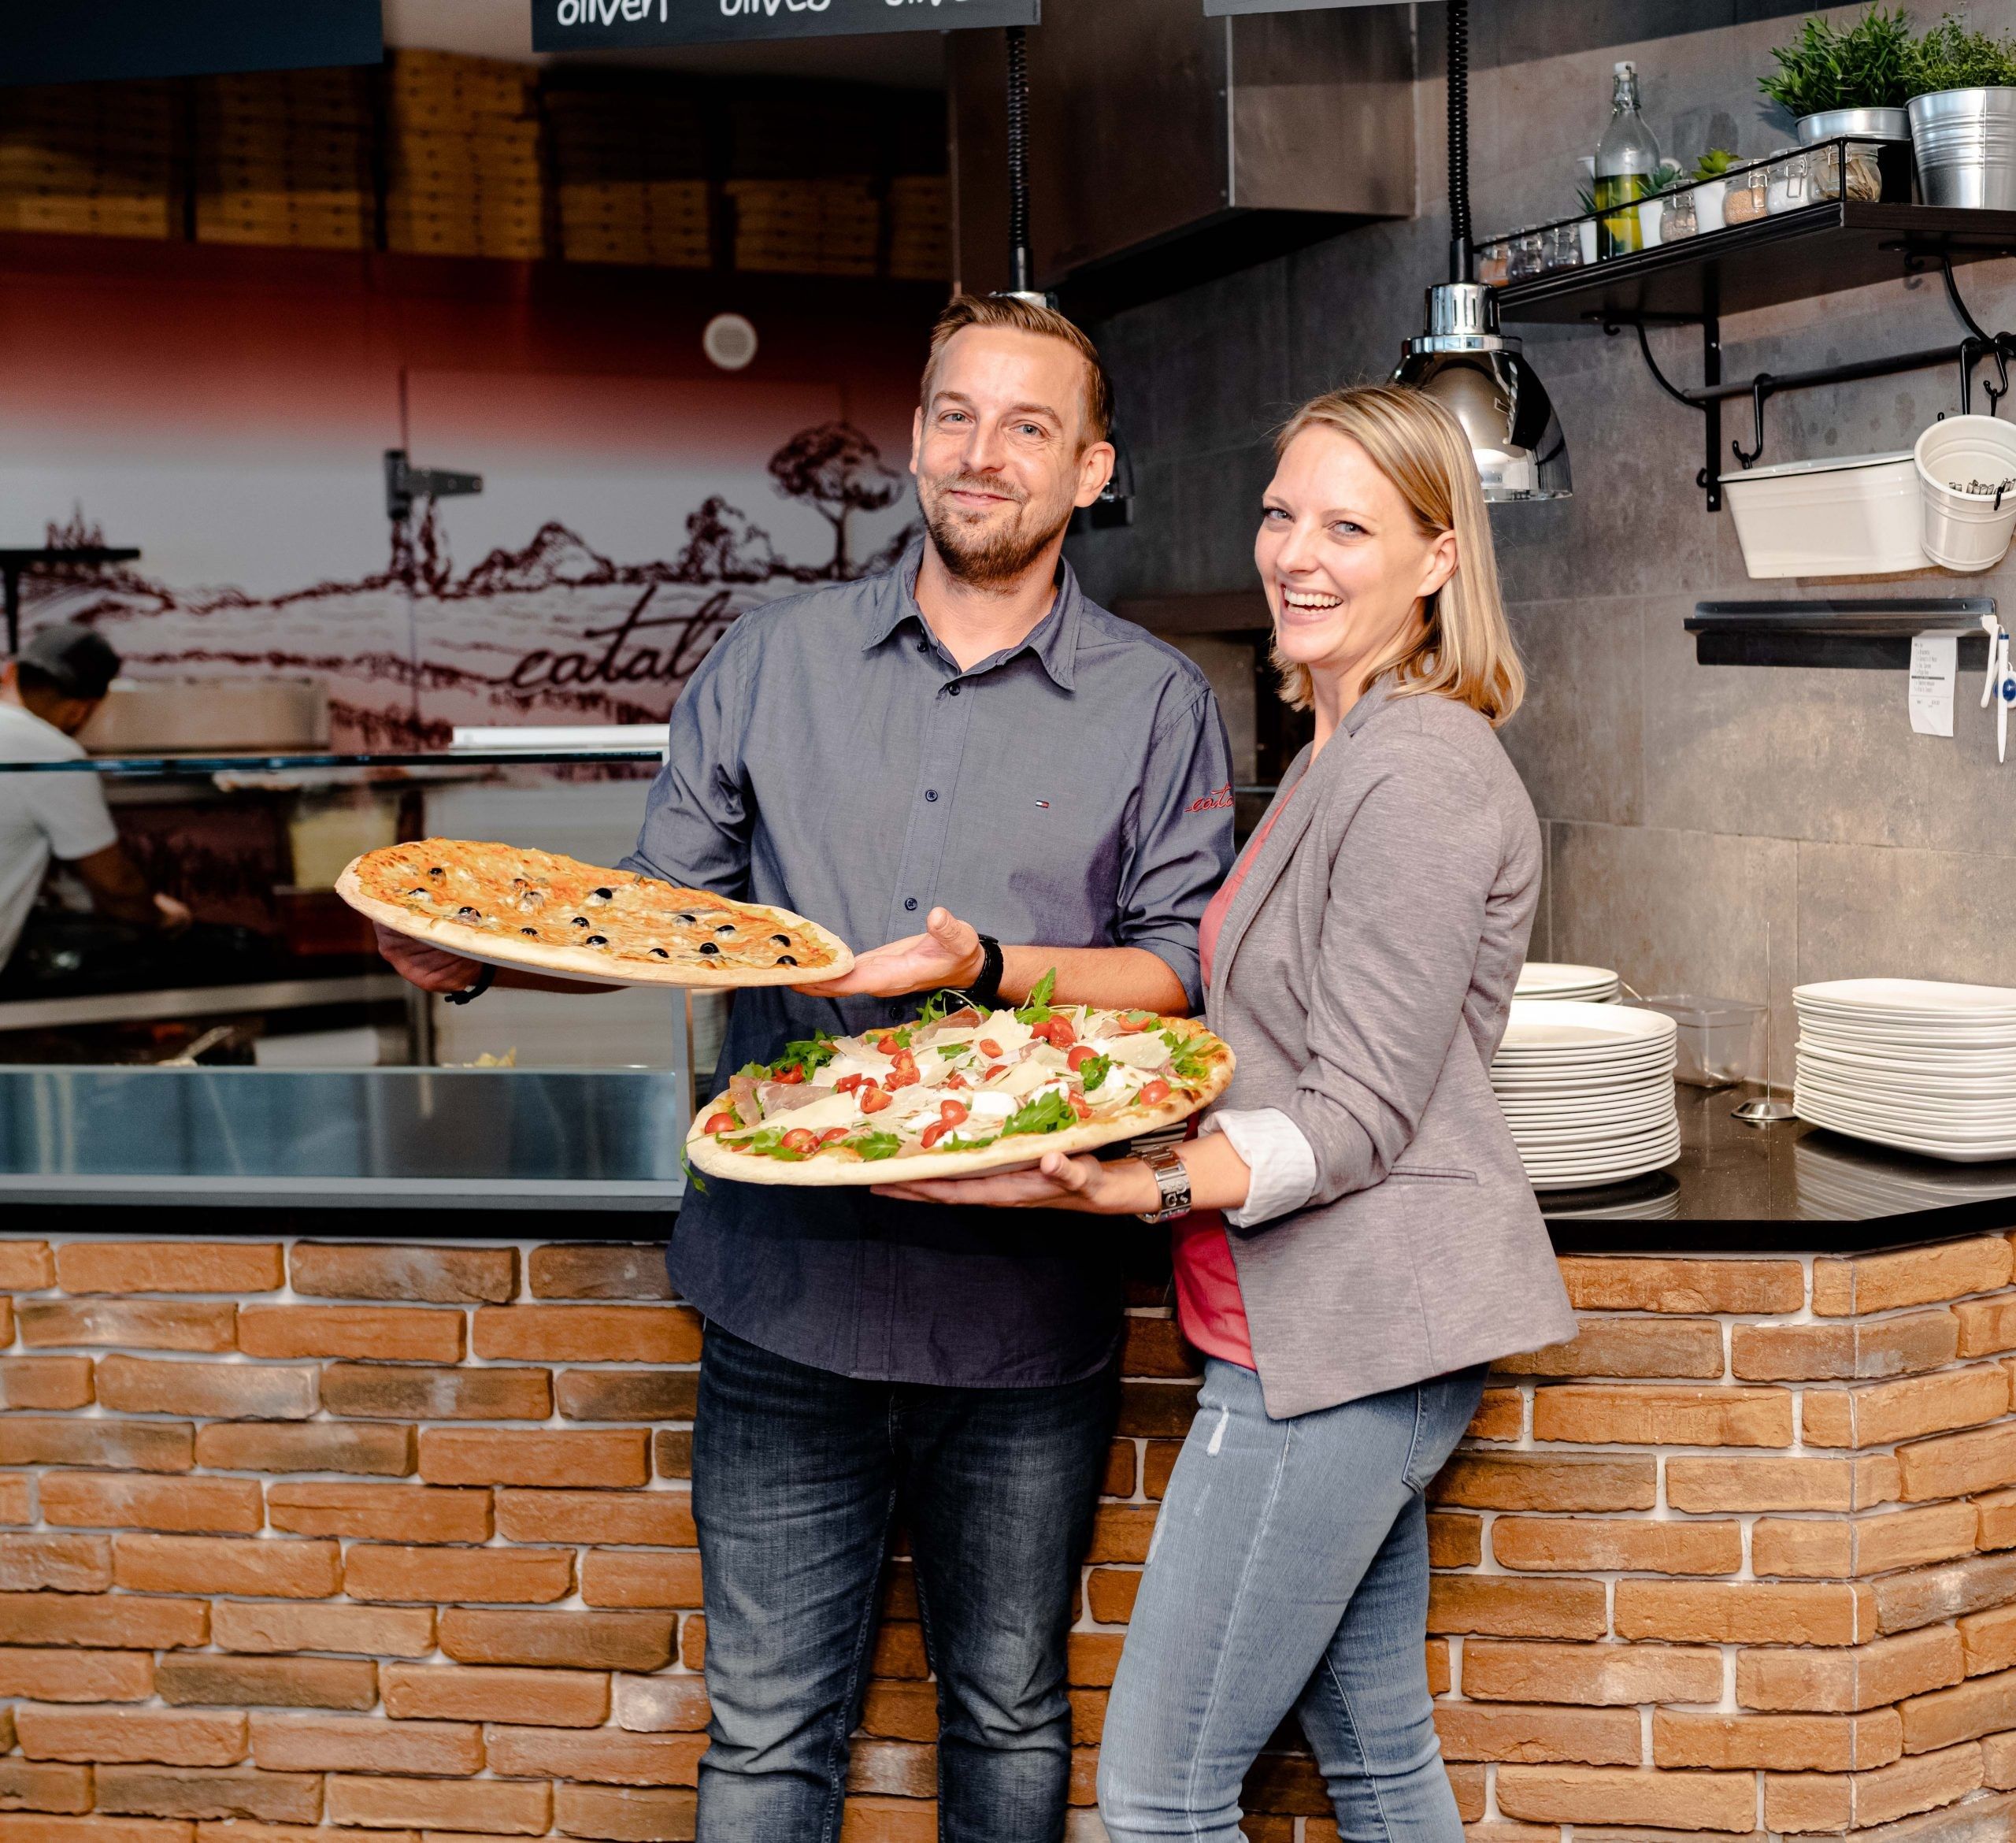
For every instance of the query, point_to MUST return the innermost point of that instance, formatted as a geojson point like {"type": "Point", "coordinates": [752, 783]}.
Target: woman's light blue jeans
{"type": "Point", "coordinates": [1289, 1571]}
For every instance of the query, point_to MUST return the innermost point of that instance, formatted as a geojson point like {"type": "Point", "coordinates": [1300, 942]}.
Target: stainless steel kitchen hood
{"type": "Point", "coordinates": [1165, 146]}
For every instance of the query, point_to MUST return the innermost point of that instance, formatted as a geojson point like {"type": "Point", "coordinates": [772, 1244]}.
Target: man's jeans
{"type": "Point", "coordinates": [1289, 1570]}
{"type": "Point", "coordinates": [797, 1473]}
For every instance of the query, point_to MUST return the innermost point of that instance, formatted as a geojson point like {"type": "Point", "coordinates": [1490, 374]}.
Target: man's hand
{"type": "Point", "coordinates": [1055, 1182]}
{"type": "Point", "coordinates": [428, 967]}
{"type": "Point", "coordinates": [174, 916]}
{"type": "Point", "coordinates": [947, 954]}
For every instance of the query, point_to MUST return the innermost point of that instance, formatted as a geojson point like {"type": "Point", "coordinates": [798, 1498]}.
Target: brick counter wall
{"type": "Point", "coordinates": [308, 1541]}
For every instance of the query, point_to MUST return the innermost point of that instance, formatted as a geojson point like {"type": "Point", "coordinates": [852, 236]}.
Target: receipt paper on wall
{"type": "Point", "coordinates": [1935, 659]}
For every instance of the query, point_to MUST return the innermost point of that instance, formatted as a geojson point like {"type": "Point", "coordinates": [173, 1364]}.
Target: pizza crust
{"type": "Point", "coordinates": [535, 957]}
{"type": "Point", "coordinates": [708, 1155]}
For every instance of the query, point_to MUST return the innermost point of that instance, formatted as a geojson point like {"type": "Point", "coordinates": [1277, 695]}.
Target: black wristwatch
{"type": "Point", "coordinates": [985, 992]}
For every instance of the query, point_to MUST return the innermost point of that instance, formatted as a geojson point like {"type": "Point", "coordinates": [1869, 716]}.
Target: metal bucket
{"type": "Point", "coordinates": [1869, 124]}
{"type": "Point", "coordinates": [1965, 143]}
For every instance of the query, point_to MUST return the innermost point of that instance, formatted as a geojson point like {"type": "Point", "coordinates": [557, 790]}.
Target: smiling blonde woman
{"type": "Point", "coordinates": [1379, 1244]}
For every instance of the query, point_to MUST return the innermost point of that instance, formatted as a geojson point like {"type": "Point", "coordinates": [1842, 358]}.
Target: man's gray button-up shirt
{"type": "Point", "coordinates": [830, 757]}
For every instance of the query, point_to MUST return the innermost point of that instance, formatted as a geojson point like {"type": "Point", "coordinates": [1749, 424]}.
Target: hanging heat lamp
{"type": "Point", "coordinates": [1463, 361]}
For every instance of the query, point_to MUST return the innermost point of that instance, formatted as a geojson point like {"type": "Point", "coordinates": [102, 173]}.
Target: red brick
{"type": "Point", "coordinates": [68, 1675]}
{"type": "Point", "coordinates": [146, 1386]}
{"type": "Point", "coordinates": [497, 1806]}
{"type": "Point", "coordinates": [132, 1324]}
{"type": "Point", "coordinates": [1477, 1481]}
{"type": "Point", "coordinates": [1957, 1463]}
{"type": "Point", "coordinates": [287, 1569]}
{"type": "Point", "coordinates": [1844, 1286]}
{"type": "Point", "coordinates": [1905, 1601]}
{"type": "Point", "coordinates": [589, 1333]}
{"type": "Point", "coordinates": [1847, 1682]}
{"type": "Point", "coordinates": [189, 1791]}
{"type": "Point", "coordinates": [67, 1564]}
{"type": "Point", "coordinates": [144, 1446]}
{"type": "Point", "coordinates": [26, 1267]}
{"type": "Point", "coordinates": [1705, 1612]}
{"type": "Point", "coordinates": [43, 1785]}
{"type": "Point", "coordinates": [638, 1519]}
{"type": "Point", "coordinates": [1831, 1547]}
{"type": "Point", "coordinates": [45, 1382]}
{"type": "Point", "coordinates": [1590, 1737]}
{"type": "Point", "coordinates": [1501, 1415]}
{"type": "Point", "coordinates": [1985, 1705]}
{"type": "Point", "coordinates": [456, 1456]}
{"type": "Point", "coordinates": [383, 1570]}
{"type": "Point", "coordinates": [409, 1392]}
{"type": "Point", "coordinates": [609, 1757]}
{"type": "Point", "coordinates": [388, 1334]}
{"type": "Point", "coordinates": [349, 1743]}
{"type": "Point", "coordinates": [620, 1577]}
{"type": "Point", "coordinates": [1865, 1349]}
{"type": "Point", "coordinates": [1516, 1608]}
{"type": "Point", "coordinates": [628, 1395]}
{"type": "Point", "coordinates": [14, 1505]}
{"type": "Point", "coordinates": [1120, 1532]}
{"type": "Point", "coordinates": [417, 1512]}
{"type": "Point", "coordinates": [1986, 1325]}
{"type": "Point", "coordinates": [581, 1269]}
{"type": "Point", "coordinates": [1783, 1743]}
{"type": "Point", "coordinates": [663, 1704]}
{"type": "Point", "coordinates": [323, 1446]}
{"type": "Point", "coordinates": [1153, 1346]}
{"type": "Point", "coordinates": [1923, 1783]}
{"type": "Point", "coordinates": [1571, 1545]}
{"type": "Point", "coordinates": [1454, 1541]}
{"type": "Point", "coordinates": [208, 1680]}
{"type": "Point", "coordinates": [1091, 1659]}
{"type": "Point", "coordinates": [551, 1698]}
{"type": "Point", "coordinates": [1157, 1410]}
{"type": "Point", "coordinates": [114, 1621]}
{"type": "Point", "coordinates": [169, 1737]}
{"type": "Point", "coordinates": [579, 1641]}
{"type": "Point", "coordinates": [1997, 1526]}
{"type": "Point", "coordinates": [1635, 1283]}
{"type": "Point", "coordinates": [1883, 1413]}
{"type": "Point", "coordinates": [114, 1501]}
{"type": "Point", "coordinates": [1158, 1458]}
{"type": "Point", "coordinates": [654, 1814]}
{"type": "Point", "coordinates": [435, 1276]}
{"type": "Point", "coordinates": [1628, 1347]}
{"type": "Point", "coordinates": [39, 1829]}
{"type": "Point", "coordinates": [168, 1267]}
{"type": "Point", "coordinates": [1654, 1415]}
{"type": "Point", "coordinates": [1748, 1482]}
{"type": "Point", "coordinates": [1618, 1795]}
{"type": "Point", "coordinates": [268, 1627]}
{"type": "Point", "coordinates": [672, 1453]}
{"type": "Point", "coordinates": [1616, 1675]}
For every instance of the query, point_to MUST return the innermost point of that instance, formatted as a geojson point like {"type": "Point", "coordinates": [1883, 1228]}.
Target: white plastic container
{"type": "Point", "coordinates": [1850, 515]}
{"type": "Point", "coordinates": [1718, 1042]}
{"type": "Point", "coordinates": [1708, 205]}
{"type": "Point", "coordinates": [1963, 530]}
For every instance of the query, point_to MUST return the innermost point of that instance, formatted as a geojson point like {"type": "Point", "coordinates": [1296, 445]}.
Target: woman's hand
{"type": "Point", "coordinates": [1125, 1187]}
{"type": "Point", "coordinates": [947, 954]}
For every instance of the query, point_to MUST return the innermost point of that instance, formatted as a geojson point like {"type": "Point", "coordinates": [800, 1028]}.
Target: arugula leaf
{"type": "Point", "coordinates": [949, 1050]}
{"type": "Point", "coordinates": [1185, 1062]}
{"type": "Point", "coordinates": [1048, 1112]}
{"type": "Point", "coordinates": [942, 1004]}
{"type": "Point", "coordinates": [964, 1145]}
{"type": "Point", "coordinates": [811, 1056]}
{"type": "Point", "coordinates": [768, 1142]}
{"type": "Point", "coordinates": [874, 1145]}
{"type": "Point", "coordinates": [1094, 1070]}
{"type": "Point", "coordinates": [692, 1176]}
{"type": "Point", "coordinates": [1036, 1007]}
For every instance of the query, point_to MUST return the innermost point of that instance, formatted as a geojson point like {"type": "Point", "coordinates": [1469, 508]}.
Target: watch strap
{"type": "Point", "coordinates": [985, 992]}
{"type": "Point", "coordinates": [1172, 1178]}
{"type": "Point", "coordinates": [469, 994]}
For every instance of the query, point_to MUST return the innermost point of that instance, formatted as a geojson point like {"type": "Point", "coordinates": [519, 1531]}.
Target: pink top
{"type": "Point", "coordinates": [1208, 1306]}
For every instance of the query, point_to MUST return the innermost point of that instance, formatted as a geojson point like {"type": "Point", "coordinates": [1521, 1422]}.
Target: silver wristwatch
{"type": "Point", "coordinates": [1166, 1162]}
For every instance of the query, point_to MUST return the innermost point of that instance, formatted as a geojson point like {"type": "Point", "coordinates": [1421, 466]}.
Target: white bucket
{"type": "Point", "coordinates": [1967, 531]}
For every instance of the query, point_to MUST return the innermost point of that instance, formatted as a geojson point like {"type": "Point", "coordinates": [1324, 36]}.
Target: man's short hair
{"type": "Point", "coordinates": [69, 660]}
{"type": "Point", "coordinates": [965, 310]}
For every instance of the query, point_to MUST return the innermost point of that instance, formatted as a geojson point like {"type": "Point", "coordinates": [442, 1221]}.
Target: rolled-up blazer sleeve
{"type": "Point", "coordinates": [1398, 945]}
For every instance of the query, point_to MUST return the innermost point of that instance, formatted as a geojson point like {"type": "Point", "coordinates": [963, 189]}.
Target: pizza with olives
{"type": "Point", "coordinates": [547, 913]}
{"type": "Point", "coordinates": [952, 1093]}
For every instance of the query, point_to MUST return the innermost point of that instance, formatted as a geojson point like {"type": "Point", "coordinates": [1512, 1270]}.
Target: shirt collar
{"type": "Point", "coordinates": [1373, 698]}
{"type": "Point", "coordinates": [1054, 640]}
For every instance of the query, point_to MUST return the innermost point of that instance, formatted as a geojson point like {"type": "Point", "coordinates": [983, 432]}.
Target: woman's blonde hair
{"type": "Point", "coordinates": [1464, 650]}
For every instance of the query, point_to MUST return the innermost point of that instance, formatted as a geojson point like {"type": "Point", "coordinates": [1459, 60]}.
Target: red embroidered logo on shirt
{"type": "Point", "coordinates": [1218, 799]}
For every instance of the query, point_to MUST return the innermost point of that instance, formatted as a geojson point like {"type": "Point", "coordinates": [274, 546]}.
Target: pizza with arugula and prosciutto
{"type": "Point", "coordinates": [547, 913]}
{"type": "Point", "coordinates": [953, 1093]}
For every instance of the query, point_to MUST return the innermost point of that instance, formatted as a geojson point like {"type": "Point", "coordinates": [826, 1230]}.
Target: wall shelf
{"type": "Point", "coordinates": [1821, 249]}
{"type": "Point", "coordinates": [1869, 634]}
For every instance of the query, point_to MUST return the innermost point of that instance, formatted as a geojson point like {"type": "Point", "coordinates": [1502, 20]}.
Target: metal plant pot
{"type": "Point", "coordinates": [1965, 143]}
{"type": "Point", "coordinates": [1870, 124]}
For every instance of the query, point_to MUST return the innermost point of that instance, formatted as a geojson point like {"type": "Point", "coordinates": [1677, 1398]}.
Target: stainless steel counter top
{"type": "Point", "coordinates": [509, 1138]}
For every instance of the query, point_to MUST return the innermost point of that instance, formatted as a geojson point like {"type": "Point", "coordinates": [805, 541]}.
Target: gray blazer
{"type": "Point", "coordinates": [1362, 977]}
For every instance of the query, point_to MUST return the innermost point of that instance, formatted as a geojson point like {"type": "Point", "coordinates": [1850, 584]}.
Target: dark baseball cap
{"type": "Point", "coordinates": [82, 663]}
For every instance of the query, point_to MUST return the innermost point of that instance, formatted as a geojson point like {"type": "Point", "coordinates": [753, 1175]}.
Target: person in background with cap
{"type": "Point", "coordinates": [48, 691]}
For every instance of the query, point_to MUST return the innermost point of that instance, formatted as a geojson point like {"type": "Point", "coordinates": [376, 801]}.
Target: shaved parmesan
{"type": "Point", "coordinates": [1006, 1028]}
{"type": "Point", "coordinates": [1144, 1050]}
{"type": "Point", "coordinates": [1025, 1078]}
{"type": "Point", "coordinates": [857, 1061]}
{"type": "Point", "coordinates": [835, 1110]}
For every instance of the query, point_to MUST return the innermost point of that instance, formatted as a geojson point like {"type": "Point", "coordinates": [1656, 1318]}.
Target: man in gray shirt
{"type": "Point", "coordinates": [964, 740]}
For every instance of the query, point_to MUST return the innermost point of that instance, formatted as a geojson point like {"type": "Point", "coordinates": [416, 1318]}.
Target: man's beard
{"type": "Point", "coordinates": [983, 559]}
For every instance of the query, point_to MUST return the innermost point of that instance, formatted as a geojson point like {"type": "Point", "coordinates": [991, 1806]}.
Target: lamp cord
{"type": "Point", "coordinates": [1018, 160]}
{"type": "Point", "coordinates": [1460, 261]}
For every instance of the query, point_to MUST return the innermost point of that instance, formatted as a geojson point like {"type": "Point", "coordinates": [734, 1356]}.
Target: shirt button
{"type": "Point", "coordinates": [931, 793]}
{"type": "Point", "coordinates": [954, 689]}
{"type": "Point", "coordinates": [909, 902]}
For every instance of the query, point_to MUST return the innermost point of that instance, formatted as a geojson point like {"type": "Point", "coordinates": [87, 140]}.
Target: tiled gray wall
{"type": "Point", "coordinates": [1721, 830]}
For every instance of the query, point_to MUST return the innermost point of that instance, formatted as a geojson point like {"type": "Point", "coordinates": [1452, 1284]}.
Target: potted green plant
{"type": "Point", "coordinates": [1710, 183]}
{"type": "Point", "coordinates": [1963, 88]}
{"type": "Point", "coordinates": [1652, 207]}
{"type": "Point", "coordinates": [1833, 82]}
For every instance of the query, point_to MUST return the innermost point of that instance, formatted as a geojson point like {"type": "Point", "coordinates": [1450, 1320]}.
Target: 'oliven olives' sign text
{"type": "Point", "coordinates": [571, 25]}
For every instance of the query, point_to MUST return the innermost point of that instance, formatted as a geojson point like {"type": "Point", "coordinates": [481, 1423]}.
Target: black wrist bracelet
{"type": "Point", "coordinates": [985, 992]}
{"type": "Point", "coordinates": [484, 980]}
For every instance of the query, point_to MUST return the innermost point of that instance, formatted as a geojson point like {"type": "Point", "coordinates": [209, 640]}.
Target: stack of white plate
{"type": "Point", "coordinates": [1544, 979]}
{"type": "Point", "coordinates": [1920, 1064]}
{"type": "Point", "coordinates": [1837, 1182]}
{"type": "Point", "coordinates": [1588, 1091]}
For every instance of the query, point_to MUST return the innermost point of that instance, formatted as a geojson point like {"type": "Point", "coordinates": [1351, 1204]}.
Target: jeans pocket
{"type": "Point", "coordinates": [1443, 1408]}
